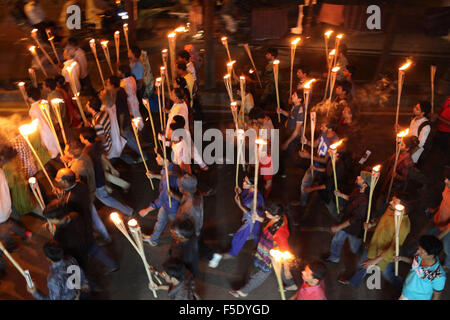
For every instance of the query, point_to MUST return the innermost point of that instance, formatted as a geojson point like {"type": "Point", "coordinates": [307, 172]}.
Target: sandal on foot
{"type": "Point", "coordinates": [237, 294]}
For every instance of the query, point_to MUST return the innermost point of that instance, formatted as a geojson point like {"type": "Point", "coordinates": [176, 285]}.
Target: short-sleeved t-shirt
{"type": "Point", "coordinates": [137, 70]}
{"type": "Point", "coordinates": [421, 280]}
{"type": "Point", "coordinates": [323, 146]}
{"type": "Point", "coordinates": [296, 115]}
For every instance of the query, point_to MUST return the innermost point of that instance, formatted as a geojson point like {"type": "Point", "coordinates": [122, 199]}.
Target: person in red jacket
{"type": "Point", "coordinates": [274, 236]}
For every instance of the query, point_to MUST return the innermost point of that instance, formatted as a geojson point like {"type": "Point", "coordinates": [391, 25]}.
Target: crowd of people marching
{"type": "Point", "coordinates": [83, 173]}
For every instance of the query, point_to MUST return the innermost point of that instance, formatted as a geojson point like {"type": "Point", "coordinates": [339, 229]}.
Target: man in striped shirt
{"type": "Point", "coordinates": [100, 122]}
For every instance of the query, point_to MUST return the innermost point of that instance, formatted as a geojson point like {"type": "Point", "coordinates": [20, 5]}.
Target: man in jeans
{"type": "Point", "coordinates": [123, 114]}
{"type": "Point", "coordinates": [166, 212]}
{"type": "Point", "coordinates": [381, 249]}
{"type": "Point", "coordinates": [354, 214]}
{"type": "Point", "coordinates": [93, 150]}
{"type": "Point", "coordinates": [326, 138]}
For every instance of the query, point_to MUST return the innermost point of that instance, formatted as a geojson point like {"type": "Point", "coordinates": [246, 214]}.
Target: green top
{"type": "Point", "coordinates": [383, 239]}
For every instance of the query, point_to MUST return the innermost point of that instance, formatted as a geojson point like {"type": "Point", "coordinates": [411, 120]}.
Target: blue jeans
{"type": "Point", "coordinates": [131, 142]}
{"type": "Point", "coordinates": [307, 181]}
{"type": "Point", "coordinates": [97, 252]}
{"type": "Point", "coordinates": [112, 202]}
{"type": "Point", "coordinates": [98, 225]}
{"type": "Point", "coordinates": [388, 274]}
{"type": "Point", "coordinates": [445, 243]}
{"type": "Point", "coordinates": [338, 241]}
{"type": "Point", "coordinates": [163, 218]}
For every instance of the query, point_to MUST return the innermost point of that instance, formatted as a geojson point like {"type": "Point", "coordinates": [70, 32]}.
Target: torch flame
{"type": "Point", "coordinates": [136, 121]}
{"type": "Point", "coordinates": [295, 41]}
{"type": "Point", "coordinates": [171, 35]}
{"type": "Point", "coordinates": [251, 71]}
{"type": "Point", "coordinates": [34, 31]}
{"type": "Point", "coordinates": [328, 33]}
{"type": "Point", "coordinates": [132, 223]}
{"type": "Point", "coordinates": [377, 168]}
{"type": "Point", "coordinates": [21, 84]}
{"type": "Point", "coordinates": [28, 129]}
{"type": "Point", "coordinates": [32, 180]}
{"type": "Point", "coordinates": [180, 29]}
{"type": "Point", "coordinates": [335, 69]}
{"type": "Point", "coordinates": [115, 217]}
{"type": "Point", "coordinates": [399, 208]}
{"type": "Point", "coordinates": [260, 142]}
{"type": "Point", "coordinates": [117, 33]}
{"type": "Point", "coordinates": [223, 39]}
{"type": "Point", "coordinates": [230, 64]}
{"type": "Point", "coordinates": [337, 144]}
{"type": "Point", "coordinates": [227, 76]}
{"type": "Point", "coordinates": [405, 66]}
{"type": "Point", "coordinates": [234, 103]}
{"type": "Point", "coordinates": [125, 25]}
{"type": "Point", "coordinates": [339, 36]}
{"type": "Point", "coordinates": [242, 78]}
{"type": "Point", "coordinates": [280, 255]}
{"type": "Point", "coordinates": [92, 41]}
{"type": "Point", "coordinates": [164, 51]}
{"type": "Point", "coordinates": [402, 134]}
{"type": "Point", "coordinates": [276, 61]}
{"type": "Point", "coordinates": [104, 43]}
{"type": "Point", "coordinates": [158, 82]}
{"type": "Point", "coordinates": [332, 52]}
{"type": "Point", "coordinates": [57, 100]}
{"type": "Point", "coordinates": [308, 84]}
{"type": "Point", "coordinates": [32, 49]}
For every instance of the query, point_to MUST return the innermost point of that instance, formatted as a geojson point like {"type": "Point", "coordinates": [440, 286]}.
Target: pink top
{"type": "Point", "coordinates": [308, 292]}
{"type": "Point", "coordinates": [442, 217]}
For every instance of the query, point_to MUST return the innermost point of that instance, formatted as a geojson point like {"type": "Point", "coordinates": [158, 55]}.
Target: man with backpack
{"type": "Point", "coordinates": [420, 127]}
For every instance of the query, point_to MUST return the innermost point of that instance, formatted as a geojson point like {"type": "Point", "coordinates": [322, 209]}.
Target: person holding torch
{"type": "Point", "coordinates": [354, 215]}
{"type": "Point", "coordinates": [273, 237]}
{"type": "Point", "coordinates": [381, 249]}
{"type": "Point", "coordinates": [324, 141]}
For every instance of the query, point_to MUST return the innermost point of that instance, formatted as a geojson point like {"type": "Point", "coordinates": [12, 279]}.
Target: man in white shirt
{"type": "Point", "coordinates": [70, 62]}
{"type": "Point", "coordinates": [80, 57]}
{"type": "Point", "coordinates": [47, 137]}
{"type": "Point", "coordinates": [420, 127]}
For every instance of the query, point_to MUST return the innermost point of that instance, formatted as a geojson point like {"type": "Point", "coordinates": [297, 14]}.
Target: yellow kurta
{"type": "Point", "coordinates": [383, 239]}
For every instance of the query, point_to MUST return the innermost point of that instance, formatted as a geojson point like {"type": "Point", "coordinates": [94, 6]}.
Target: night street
{"type": "Point", "coordinates": [310, 237]}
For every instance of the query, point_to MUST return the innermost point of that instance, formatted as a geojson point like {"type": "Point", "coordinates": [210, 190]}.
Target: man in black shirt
{"type": "Point", "coordinates": [354, 214]}
{"type": "Point", "coordinates": [75, 236]}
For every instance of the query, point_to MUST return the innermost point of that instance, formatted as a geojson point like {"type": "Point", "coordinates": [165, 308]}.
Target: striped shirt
{"type": "Point", "coordinates": [102, 125]}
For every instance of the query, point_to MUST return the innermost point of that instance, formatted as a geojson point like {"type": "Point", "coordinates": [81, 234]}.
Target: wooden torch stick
{"type": "Point", "coordinates": [333, 149]}
{"type": "Point", "coordinates": [249, 53]}
{"type": "Point", "coordinates": [276, 64]}
{"type": "Point", "coordinates": [147, 106]}
{"type": "Point", "coordinates": [433, 75]}
{"type": "Point", "coordinates": [26, 130]}
{"type": "Point", "coordinates": [167, 170]}
{"type": "Point", "coordinates": [56, 104]}
{"type": "Point", "coordinates": [239, 140]}
{"type": "Point", "coordinates": [21, 86]}
{"type": "Point", "coordinates": [33, 79]}
{"type": "Point", "coordinates": [36, 40]}
{"type": "Point", "coordinates": [373, 182]}
{"type": "Point", "coordinates": [293, 48]}
{"type": "Point", "coordinates": [125, 33]}
{"type": "Point", "coordinates": [401, 79]}
{"type": "Point", "coordinates": [137, 236]}
{"type": "Point", "coordinates": [105, 48]}
{"type": "Point", "coordinates": [399, 138]}
{"type": "Point", "coordinates": [117, 45]}
{"type": "Point", "coordinates": [158, 85]}
{"type": "Point", "coordinates": [50, 39]}
{"type": "Point", "coordinates": [306, 98]}
{"type": "Point", "coordinates": [135, 125]}
{"type": "Point", "coordinates": [38, 60]}
{"type": "Point", "coordinates": [94, 51]}
{"type": "Point", "coordinates": [398, 216]}
{"type": "Point", "coordinates": [313, 128]}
